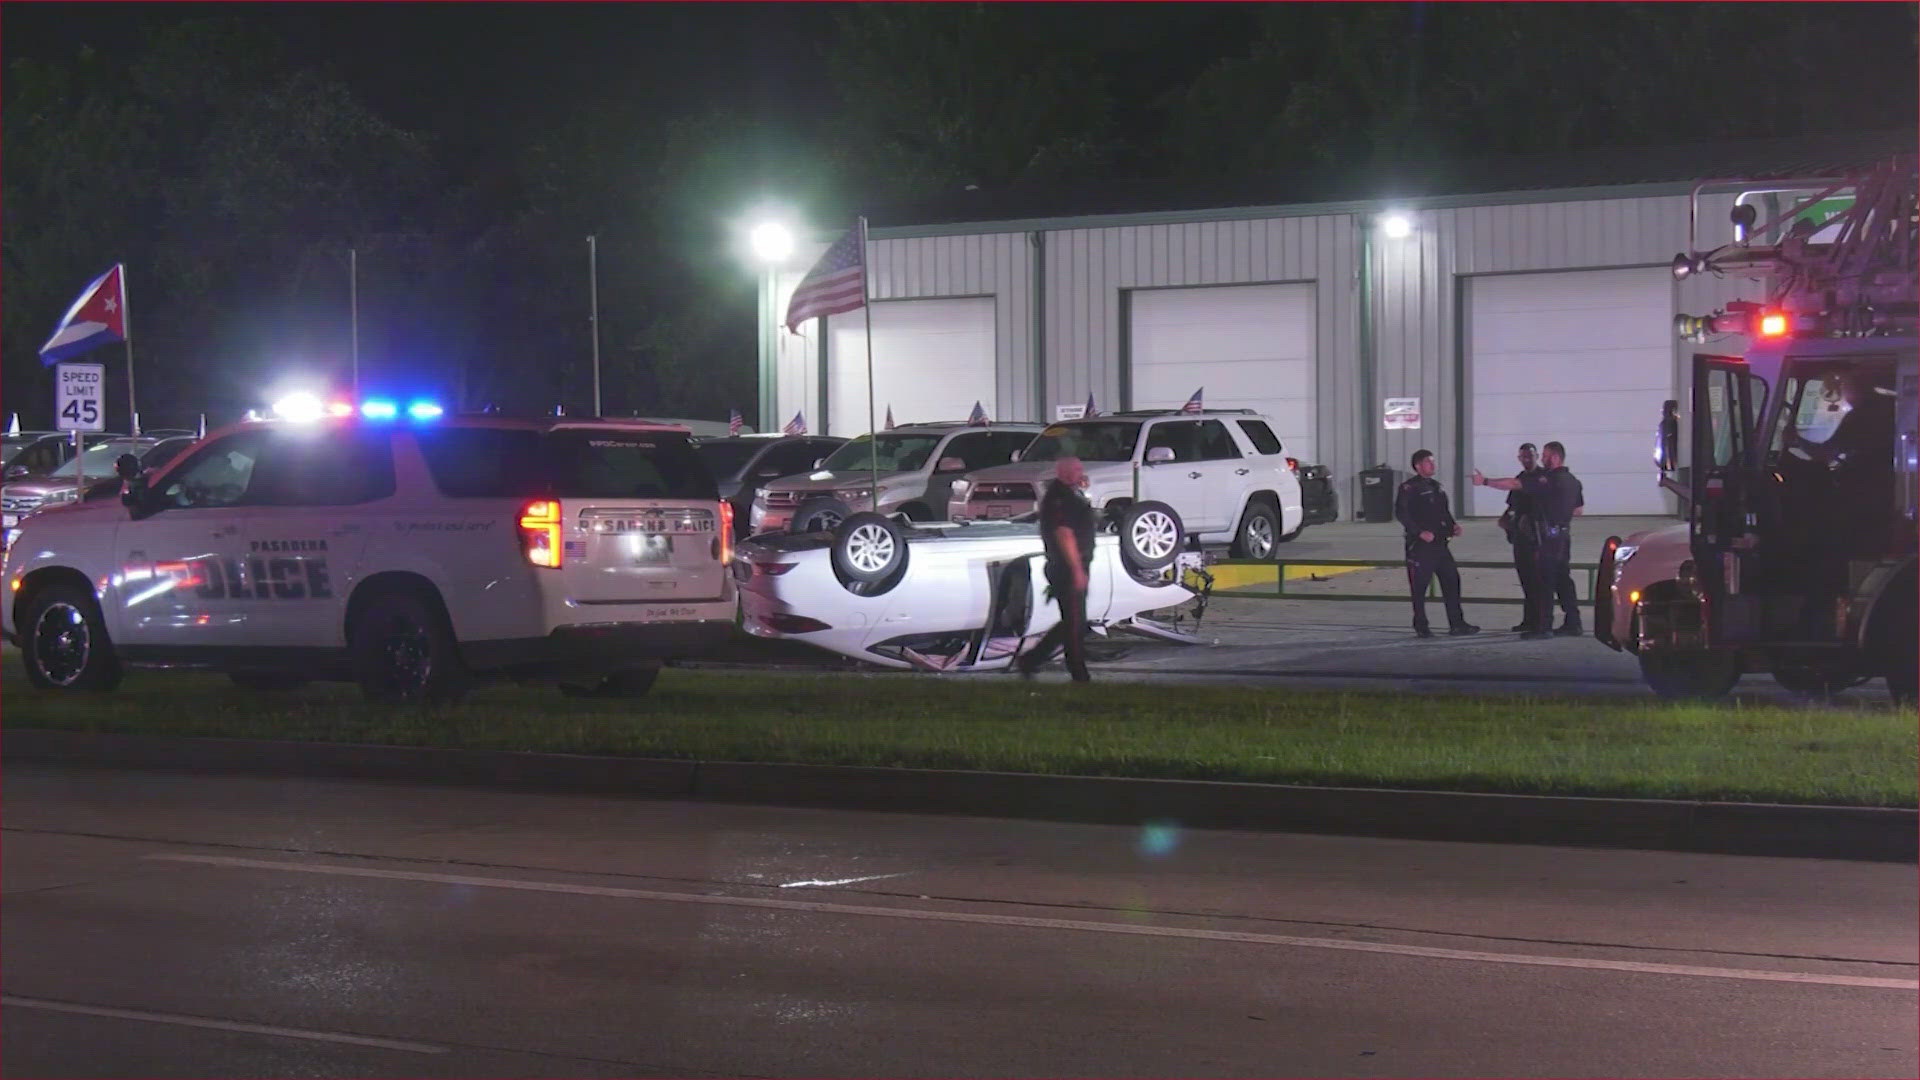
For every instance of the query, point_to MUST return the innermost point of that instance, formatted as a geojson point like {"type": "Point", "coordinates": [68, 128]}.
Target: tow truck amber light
{"type": "Point", "coordinates": [540, 533]}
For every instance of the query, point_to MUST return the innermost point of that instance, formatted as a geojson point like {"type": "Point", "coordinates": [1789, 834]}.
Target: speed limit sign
{"type": "Point", "coordinates": [80, 397]}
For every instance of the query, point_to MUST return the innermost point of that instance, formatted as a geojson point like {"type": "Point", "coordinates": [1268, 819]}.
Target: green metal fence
{"type": "Point", "coordinates": [1590, 570]}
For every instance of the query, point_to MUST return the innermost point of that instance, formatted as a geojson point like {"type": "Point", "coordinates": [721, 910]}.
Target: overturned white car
{"type": "Point", "coordinates": [947, 596]}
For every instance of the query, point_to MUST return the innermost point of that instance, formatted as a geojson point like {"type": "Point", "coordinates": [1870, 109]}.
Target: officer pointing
{"type": "Point", "coordinates": [1555, 495]}
{"type": "Point", "coordinates": [1421, 508]}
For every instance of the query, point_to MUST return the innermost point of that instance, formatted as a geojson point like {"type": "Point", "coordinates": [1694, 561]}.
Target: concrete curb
{"type": "Point", "coordinates": [1834, 832]}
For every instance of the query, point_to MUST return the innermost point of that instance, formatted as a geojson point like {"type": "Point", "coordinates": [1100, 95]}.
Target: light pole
{"type": "Point", "coordinates": [593, 316]}
{"type": "Point", "coordinates": [771, 244]}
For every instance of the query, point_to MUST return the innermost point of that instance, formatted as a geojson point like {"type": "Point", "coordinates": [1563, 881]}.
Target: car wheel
{"type": "Point", "coordinates": [404, 651]}
{"type": "Point", "coordinates": [266, 680]}
{"type": "Point", "coordinates": [1689, 676]}
{"type": "Point", "coordinates": [1259, 533]}
{"type": "Point", "coordinates": [869, 549]}
{"type": "Point", "coordinates": [822, 513]}
{"type": "Point", "coordinates": [64, 641]}
{"type": "Point", "coordinates": [1150, 535]}
{"type": "Point", "coordinates": [625, 683]}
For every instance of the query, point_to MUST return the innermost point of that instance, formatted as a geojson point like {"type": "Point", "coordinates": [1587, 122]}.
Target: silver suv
{"type": "Point", "coordinates": [917, 465]}
{"type": "Point", "coordinates": [1223, 470]}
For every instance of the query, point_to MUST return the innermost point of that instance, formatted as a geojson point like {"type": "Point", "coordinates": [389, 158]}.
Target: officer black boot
{"type": "Point", "coordinates": [1568, 628]}
{"type": "Point", "coordinates": [1463, 629]}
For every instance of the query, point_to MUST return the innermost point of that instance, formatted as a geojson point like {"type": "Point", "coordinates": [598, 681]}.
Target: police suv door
{"type": "Point", "coordinates": [181, 564]}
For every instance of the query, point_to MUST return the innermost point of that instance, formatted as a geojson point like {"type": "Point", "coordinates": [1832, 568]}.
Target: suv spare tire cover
{"type": "Point", "coordinates": [821, 513]}
{"type": "Point", "coordinates": [869, 548]}
{"type": "Point", "coordinates": [1151, 535]}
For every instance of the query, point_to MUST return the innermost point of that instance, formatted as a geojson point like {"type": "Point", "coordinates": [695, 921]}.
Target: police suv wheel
{"type": "Point", "coordinates": [1151, 534]}
{"type": "Point", "coordinates": [869, 550]}
{"type": "Point", "coordinates": [1259, 533]}
{"type": "Point", "coordinates": [403, 651]}
{"type": "Point", "coordinates": [627, 682]}
{"type": "Point", "coordinates": [64, 642]}
{"type": "Point", "coordinates": [822, 513]}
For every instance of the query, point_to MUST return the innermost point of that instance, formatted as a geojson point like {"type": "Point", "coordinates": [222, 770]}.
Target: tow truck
{"type": "Point", "coordinates": [1797, 553]}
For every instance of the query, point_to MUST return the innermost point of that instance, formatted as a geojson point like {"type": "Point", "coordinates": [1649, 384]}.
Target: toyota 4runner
{"type": "Point", "coordinates": [917, 465]}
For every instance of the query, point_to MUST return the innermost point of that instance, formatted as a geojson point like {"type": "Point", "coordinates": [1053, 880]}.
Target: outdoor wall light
{"type": "Point", "coordinates": [772, 242]}
{"type": "Point", "coordinates": [1396, 226]}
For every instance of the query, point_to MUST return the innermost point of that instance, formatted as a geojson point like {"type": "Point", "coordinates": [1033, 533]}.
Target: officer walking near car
{"type": "Point", "coordinates": [1556, 496]}
{"type": "Point", "coordinates": [1066, 528]}
{"type": "Point", "coordinates": [1517, 522]}
{"type": "Point", "coordinates": [1421, 508]}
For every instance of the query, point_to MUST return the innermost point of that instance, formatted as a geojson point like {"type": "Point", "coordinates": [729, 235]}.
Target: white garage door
{"type": "Point", "coordinates": [1582, 357]}
{"type": "Point", "coordinates": [1250, 346]}
{"type": "Point", "coordinates": [932, 359]}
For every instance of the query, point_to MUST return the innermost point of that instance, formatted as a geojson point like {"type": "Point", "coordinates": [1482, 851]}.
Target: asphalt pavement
{"type": "Point", "coordinates": [174, 925]}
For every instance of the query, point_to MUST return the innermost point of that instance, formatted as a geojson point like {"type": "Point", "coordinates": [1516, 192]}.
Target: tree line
{"type": "Point", "coordinates": [234, 183]}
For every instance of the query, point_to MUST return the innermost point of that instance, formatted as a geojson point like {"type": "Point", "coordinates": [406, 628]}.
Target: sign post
{"type": "Point", "coordinates": [80, 405]}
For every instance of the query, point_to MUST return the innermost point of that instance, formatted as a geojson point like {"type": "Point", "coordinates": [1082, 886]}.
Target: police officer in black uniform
{"type": "Point", "coordinates": [1421, 508]}
{"type": "Point", "coordinates": [1517, 523]}
{"type": "Point", "coordinates": [1556, 495]}
{"type": "Point", "coordinates": [1066, 529]}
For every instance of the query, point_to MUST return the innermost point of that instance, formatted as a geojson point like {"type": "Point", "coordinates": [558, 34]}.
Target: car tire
{"type": "Point", "coordinates": [403, 651]}
{"type": "Point", "coordinates": [1259, 534]}
{"type": "Point", "coordinates": [630, 682]}
{"type": "Point", "coordinates": [64, 643]}
{"type": "Point", "coordinates": [267, 680]}
{"type": "Point", "coordinates": [822, 513]}
{"type": "Point", "coordinates": [869, 551]}
{"type": "Point", "coordinates": [1689, 676]}
{"type": "Point", "coordinates": [1151, 535]}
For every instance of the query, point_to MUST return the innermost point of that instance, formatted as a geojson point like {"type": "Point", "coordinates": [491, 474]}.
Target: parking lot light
{"type": "Point", "coordinates": [1396, 226]}
{"type": "Point", "coordinates": [772, 242]}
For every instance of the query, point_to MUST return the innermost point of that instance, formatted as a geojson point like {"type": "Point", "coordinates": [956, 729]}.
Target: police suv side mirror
{"type": "Point", "coordinates": [1160, 455]}
{"type": "Point", "coordinates": [1666, 442]}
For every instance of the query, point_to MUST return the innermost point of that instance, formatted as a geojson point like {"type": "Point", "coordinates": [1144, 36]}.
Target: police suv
{"type": "Point", "coordinates": [397, 548]}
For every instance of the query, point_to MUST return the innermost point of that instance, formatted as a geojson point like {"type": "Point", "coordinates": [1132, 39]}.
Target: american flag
{"type": "Point", "coordinates": [889, 416]}
{"type": "Point", "coordinates": [978, 418]}
{"type": "Point", "coordinates": [1089, 410]}
{"type": "Point", "coordinates": [733, 421]}
{"type": "Point", "coordinates": [1193, 403]}
{"type": "Point", "coordinates": [837, 283]}
{"type": "Point", "coordinates": [797, 425]}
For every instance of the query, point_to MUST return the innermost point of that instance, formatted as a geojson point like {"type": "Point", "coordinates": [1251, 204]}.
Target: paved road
{"type": "Point", "coordinates": [160, 925]}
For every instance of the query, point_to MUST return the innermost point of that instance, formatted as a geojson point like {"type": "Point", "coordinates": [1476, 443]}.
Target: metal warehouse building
{"type": "Point", "coordinates": [1523, 300]}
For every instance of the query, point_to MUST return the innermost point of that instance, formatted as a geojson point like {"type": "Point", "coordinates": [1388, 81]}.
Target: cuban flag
{"type": "Point", "coordinates": [97, 318]}
{"type": "Point", "coordinates": [733, 421]}
{"type": "Point", "coordinates": [889, 426]}
{"type": "Point", "coordinates": [797, 425]}
{"type": "Point", "coordinates": [1089, 410]}
{"type": "Point", "coordinates": [1193, 403]}
{"type": "Point", "coordinates": [979, 416]}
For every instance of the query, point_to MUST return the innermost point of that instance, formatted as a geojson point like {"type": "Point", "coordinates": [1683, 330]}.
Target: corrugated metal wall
{"type": "Point", "coordinates": [1416, 291]}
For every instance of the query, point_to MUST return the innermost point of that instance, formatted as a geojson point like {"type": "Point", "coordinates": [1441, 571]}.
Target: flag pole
{"type": "Point", "coordinates": [873, 430]}
{"type": "Point", "coordinates": [593, 288]}
{"type": "Point", "coordinates": [126, 329]}
{"type": "Point", "coordinates": [353, 308]}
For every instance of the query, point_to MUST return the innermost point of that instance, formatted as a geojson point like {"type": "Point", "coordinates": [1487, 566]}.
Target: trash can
{"type": "Point", "coordinates": [1376, 494]}
{"type": "Point", "coordinates": [1317, 497]}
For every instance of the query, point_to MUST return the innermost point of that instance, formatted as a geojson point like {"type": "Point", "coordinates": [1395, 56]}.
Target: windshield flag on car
{"type": "Point", "coordinates": [889, 426]}
{"type": "Point", "coordinates": [797, 425]}
{"type": "Point", "coordinates": [96, 318]}
{"type": "Point", "coordinates": [1090, 410]}
{"type": "Point", "coordinates": [979, 416]}
{"type": "Point", "coordinates": [733, 421]}
{"type": "Point", "coordinates": [1193, 403]}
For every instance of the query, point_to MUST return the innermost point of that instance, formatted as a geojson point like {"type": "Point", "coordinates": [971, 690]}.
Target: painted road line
{"type": "Point", "coordinates": [218, 1025]}
{"type": "Point", "coordinates": [815, 907]}
{"type": "Point", "coordinates": [840, 881]}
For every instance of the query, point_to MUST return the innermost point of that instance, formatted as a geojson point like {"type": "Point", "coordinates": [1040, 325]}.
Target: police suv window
{"type": "Point", "coordinates": [587, 464]}
{"type": "Point", "coordinates": [1216, 442]}
{"type": "Point", "coordinates": [219, 475]}
{"type": "Point", "coordinates": [481, 462]}
{"type": "Point", "coordinates": [1261, 436]}
{"type": "Point", "coordinates": [318, 467]}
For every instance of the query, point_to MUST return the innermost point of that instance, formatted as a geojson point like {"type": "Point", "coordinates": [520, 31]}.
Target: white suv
{"type": "Point", "coordinates": [404, 554]}
{"type": "Point", "coordinates": [1223, 470]}
{"type": "Point", "coordinates": [917, 465]}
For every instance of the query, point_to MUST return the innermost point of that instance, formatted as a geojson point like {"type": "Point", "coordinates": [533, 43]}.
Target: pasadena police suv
{"type": "Point", "coordinates": [397, 548]}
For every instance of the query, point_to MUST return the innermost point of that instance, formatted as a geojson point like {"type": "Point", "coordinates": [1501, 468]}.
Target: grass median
{"type": "Point", "coordinates": [1560, 746]}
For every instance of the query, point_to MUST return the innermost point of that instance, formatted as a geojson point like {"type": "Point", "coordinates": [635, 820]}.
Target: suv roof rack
{"type": "Point", "coordinates": [1173, 412]}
